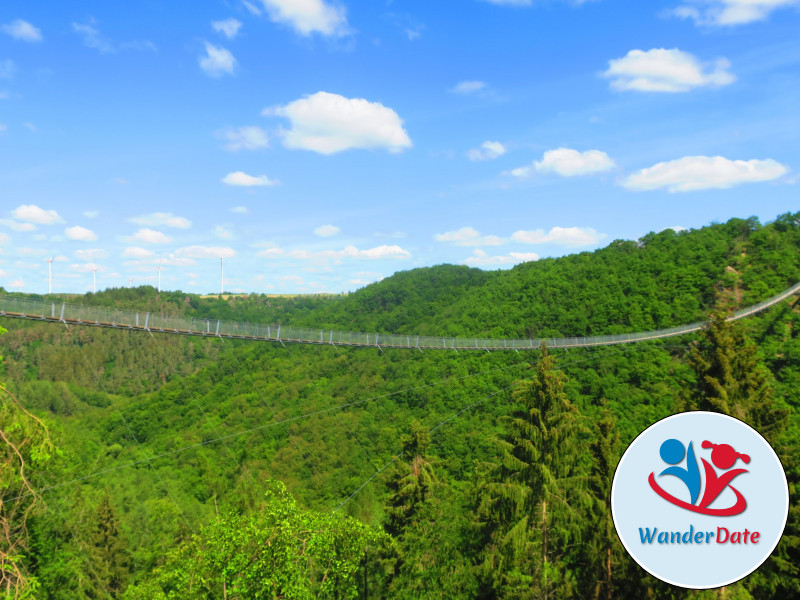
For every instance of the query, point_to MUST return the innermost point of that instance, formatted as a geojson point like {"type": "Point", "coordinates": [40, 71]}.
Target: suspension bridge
{"type": "Point", "coordinates": [96, 316]}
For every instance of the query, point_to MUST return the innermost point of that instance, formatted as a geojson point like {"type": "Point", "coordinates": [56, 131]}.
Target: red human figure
{"type": "Point", "coordinates": [724, 457]}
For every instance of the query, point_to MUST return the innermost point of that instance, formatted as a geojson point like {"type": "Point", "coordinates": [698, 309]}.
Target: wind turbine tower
{"type": "Point", "coordinates": [130, 282]}
{"type": "Point", "coordinates": [159, 279]}
{"type": "Point", "coordinates": [50, 275]}
{"type": "Point", "coordinates": [94, 280]}
{"type": "Point", "coordinates": [221, 275]}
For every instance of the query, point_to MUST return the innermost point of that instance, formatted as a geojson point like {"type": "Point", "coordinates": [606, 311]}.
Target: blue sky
{"type": "Point", "coordinates": [319, 146]}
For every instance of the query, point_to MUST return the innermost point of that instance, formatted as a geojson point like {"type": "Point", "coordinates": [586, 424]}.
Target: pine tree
{"type": "Point", "coordinates": [411, 481]}
{"type": "Point", "coordinates": [732, 380]}
{"type": "Point", "coordinates": [107, 552]}
{"type": "Point", "coordinates": [527, 512]}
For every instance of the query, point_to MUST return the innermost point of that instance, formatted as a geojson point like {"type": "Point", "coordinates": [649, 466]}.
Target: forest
{"type": "Point", "coordinates": [147, 466]}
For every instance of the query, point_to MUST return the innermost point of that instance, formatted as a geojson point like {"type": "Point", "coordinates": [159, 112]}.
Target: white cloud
{"type": "Point", "coordinates": [487, 151]}
{"type": "Point", "coordinates": [92, 38]}
{"type": "Point", "coordinates": [240, 178]}
{"type": "Point", "coordinates": [240, 210]}
{"type": "Point", "coordinates": [468, 87]}
{"type": "Point", "coordinates": [136, 252]}
{"type": "Point", "coordinates": [17, 226]}
{"type": "Point", "coordinates": [703, 172]}
{"type": "Point", "coordinates": [308, 16]}
{"type": "Point", "coordinates": [22, 30]}
{"type": "Point", "coordinates": [4, 239]}
{"type": "Point", "coordinates": [468, 236]}
{"type": "Point", "coordinates": [730, 12]}
{"type": "Point", "coordinates": [244, 138]}
{"type": "Point", "coordinates": [222, 232]}
{"type": "Point", "coordinates": [480, 258]}
{"type": "Point", "coordinates": [80, 234]}
{"type": "Point", "coordinates": [30, 127]}
{"type": "Point", "coordinates": [329, 123]}
{"type": "Point", "coordinates": [91, 214]}
{"type": "Point", "coordinates": [151, 236]}
{"type": "Point", "coordinates": [86, 267]}
{"type": "Point", "coordinates": [206, 252]}
{"type": "Point", "coordinates": [270, 253]}
{"type": "Point", "coordinates": [327, 230]}
{"type": "Point", "coordinates": [7, 68]}
{"type": "Point", "coordinates": [228, 27]}
{"type": "Point", "coordinates": [572, 237]}
{"type": "Point", "coordinates": [162, 219]}
{"type": "Point", "coordinates": [377, 253]}
{"type": "Point", "coordinates": [33, 214]}
{"type": "Point", "coordinates": [217, 61]}
{"type": "Point", "coordinates": [252, 8]}
{"type": "Point", "coordinates": [662, 70]}
{"type": "Point", "coordinates": [568, 163]}
{"type": "Point", "coordinates": [91, 254]}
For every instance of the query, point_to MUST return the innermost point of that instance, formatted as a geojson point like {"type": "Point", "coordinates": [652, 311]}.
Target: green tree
{"type": "Point", "coordinates": [731, 378]}
{"type": "Point", "coordinates": [529, 509]}
{"type": "Point", "coordinates": [107, 552]}
{"type": "Point", "coordinates": [25, 446]}
{"type": "Point", "coordinates": [280, 551]}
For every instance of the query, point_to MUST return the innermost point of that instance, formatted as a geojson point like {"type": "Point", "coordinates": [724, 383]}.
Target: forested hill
{"type": "Point", "coordinates": [661, 280]}
{"type": "Point", "coordinates": [195, 468]}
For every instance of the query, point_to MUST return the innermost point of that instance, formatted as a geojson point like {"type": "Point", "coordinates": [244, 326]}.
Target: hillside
{"type": "Point", "coordinates": [210, 422]}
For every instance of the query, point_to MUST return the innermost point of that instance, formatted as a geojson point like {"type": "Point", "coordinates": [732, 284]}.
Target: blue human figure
{"type": "Point", "coordinates": [672, 452]}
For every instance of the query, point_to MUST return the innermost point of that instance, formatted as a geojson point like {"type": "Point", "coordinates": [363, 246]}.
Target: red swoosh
{"type": "Point", "coordinates": [737, 508]}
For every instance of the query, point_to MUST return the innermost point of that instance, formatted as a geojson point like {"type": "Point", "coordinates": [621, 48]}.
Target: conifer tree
{"type": "Point", "coordinates": [411, 482]}
{"type": "Point", "coordinates": [527, 512]}
{"type": "Point", "coordinates": [732, 380]}
{"type": "Point", "coordinates": [107, 552]}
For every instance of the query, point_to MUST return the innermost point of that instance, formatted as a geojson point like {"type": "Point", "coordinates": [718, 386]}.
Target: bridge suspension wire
{"type": "Point", "coordinates": [251, 430]}
{"type": "Point", "coordinates": [96, 316]}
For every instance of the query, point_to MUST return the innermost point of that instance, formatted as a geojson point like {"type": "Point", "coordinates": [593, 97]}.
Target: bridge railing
{"type": "Point", "coordinates": [48, 310]}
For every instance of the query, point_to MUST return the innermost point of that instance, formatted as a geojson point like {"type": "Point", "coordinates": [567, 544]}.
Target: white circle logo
{"type": "Point", "coordinates": [699, 500]}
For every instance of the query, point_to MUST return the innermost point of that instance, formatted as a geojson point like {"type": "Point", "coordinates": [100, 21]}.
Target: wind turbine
{"type": "Point", "coordinates": [50, 275]}
{"type": "Point", "coordinates": [94, 280]}
{"type": "Point", "coordinates": [130, 282]}
{"type": "Point", "coordinates": [221, 275]}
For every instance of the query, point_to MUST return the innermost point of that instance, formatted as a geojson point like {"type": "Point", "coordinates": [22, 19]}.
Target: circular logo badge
{"type": "Point", "coordinates": [699, 500]}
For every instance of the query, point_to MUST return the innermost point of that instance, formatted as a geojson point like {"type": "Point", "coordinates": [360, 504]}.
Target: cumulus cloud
{"type": "Point", "coordinates": [4, 239]}
{"type": "Point", "coordinates": [12, 224]}
{"type": "Point", "coordinates": [572, 237]}
{"type": "Point", "coordinates": [151, 236]}
{"type": "Point", "coordinates": [86, 267]}
{"type": "Point", "coordinates": [33, 214]}
{"type": "Point", "coordinates": [270, 253]}
{"type": "Point", "coordinates": [206, 252]}
{"type": "Point", "coordinates": [307, 16]}
{"type": "Point", "coordinates": [91, 214]}
{"type": "Point", "coordinates": [468, 236]}
{"type": "Point", "coordinates": [329, 123]}
{"type": "Point", "coordinates": [487, 151]}
{"type": "Point", "coordinates": [730, 12]}
{"type": "Point", "coordinates": [80, 234]}
{"type": "Point", "coordinates": [240, 210]}
{"type": "Point", "coordinates": [377, 253]}
{"type": "Point", "coordinates": [217, 61]}
{"type": "Point", "coordinates": [244, 138]}
{"type": "Point", "coordinates": [136, 252]}
{"type": "Point", "coordinates": [662, 70]}
{"type": "Point", "coordinates": [22, 30]}
{"type": "Point", "coordinates": [162, 219]}
{"type": "Point", "coordinates": [228, 27]}
{"type": "Point", "coordinates": [568, 163]}
{"type": "Point", "coordinates": [468, 87]}
{"type": "Point", "coordinates": [327, 230]}
{"type": "Point", "coordinates": [703, 172]}
{"type": "Point", "coordinates": [90, 254]}
{"type": "Point", "coordinates": [480, 258]}
{"type": "Point", "coordinates": [242, 179]}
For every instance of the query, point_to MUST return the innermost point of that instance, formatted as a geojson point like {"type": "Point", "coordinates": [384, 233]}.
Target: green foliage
{"type": "Point", "coordinates": [529, 512]}
{"type": "Point", "coordinates": [280, 551]}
